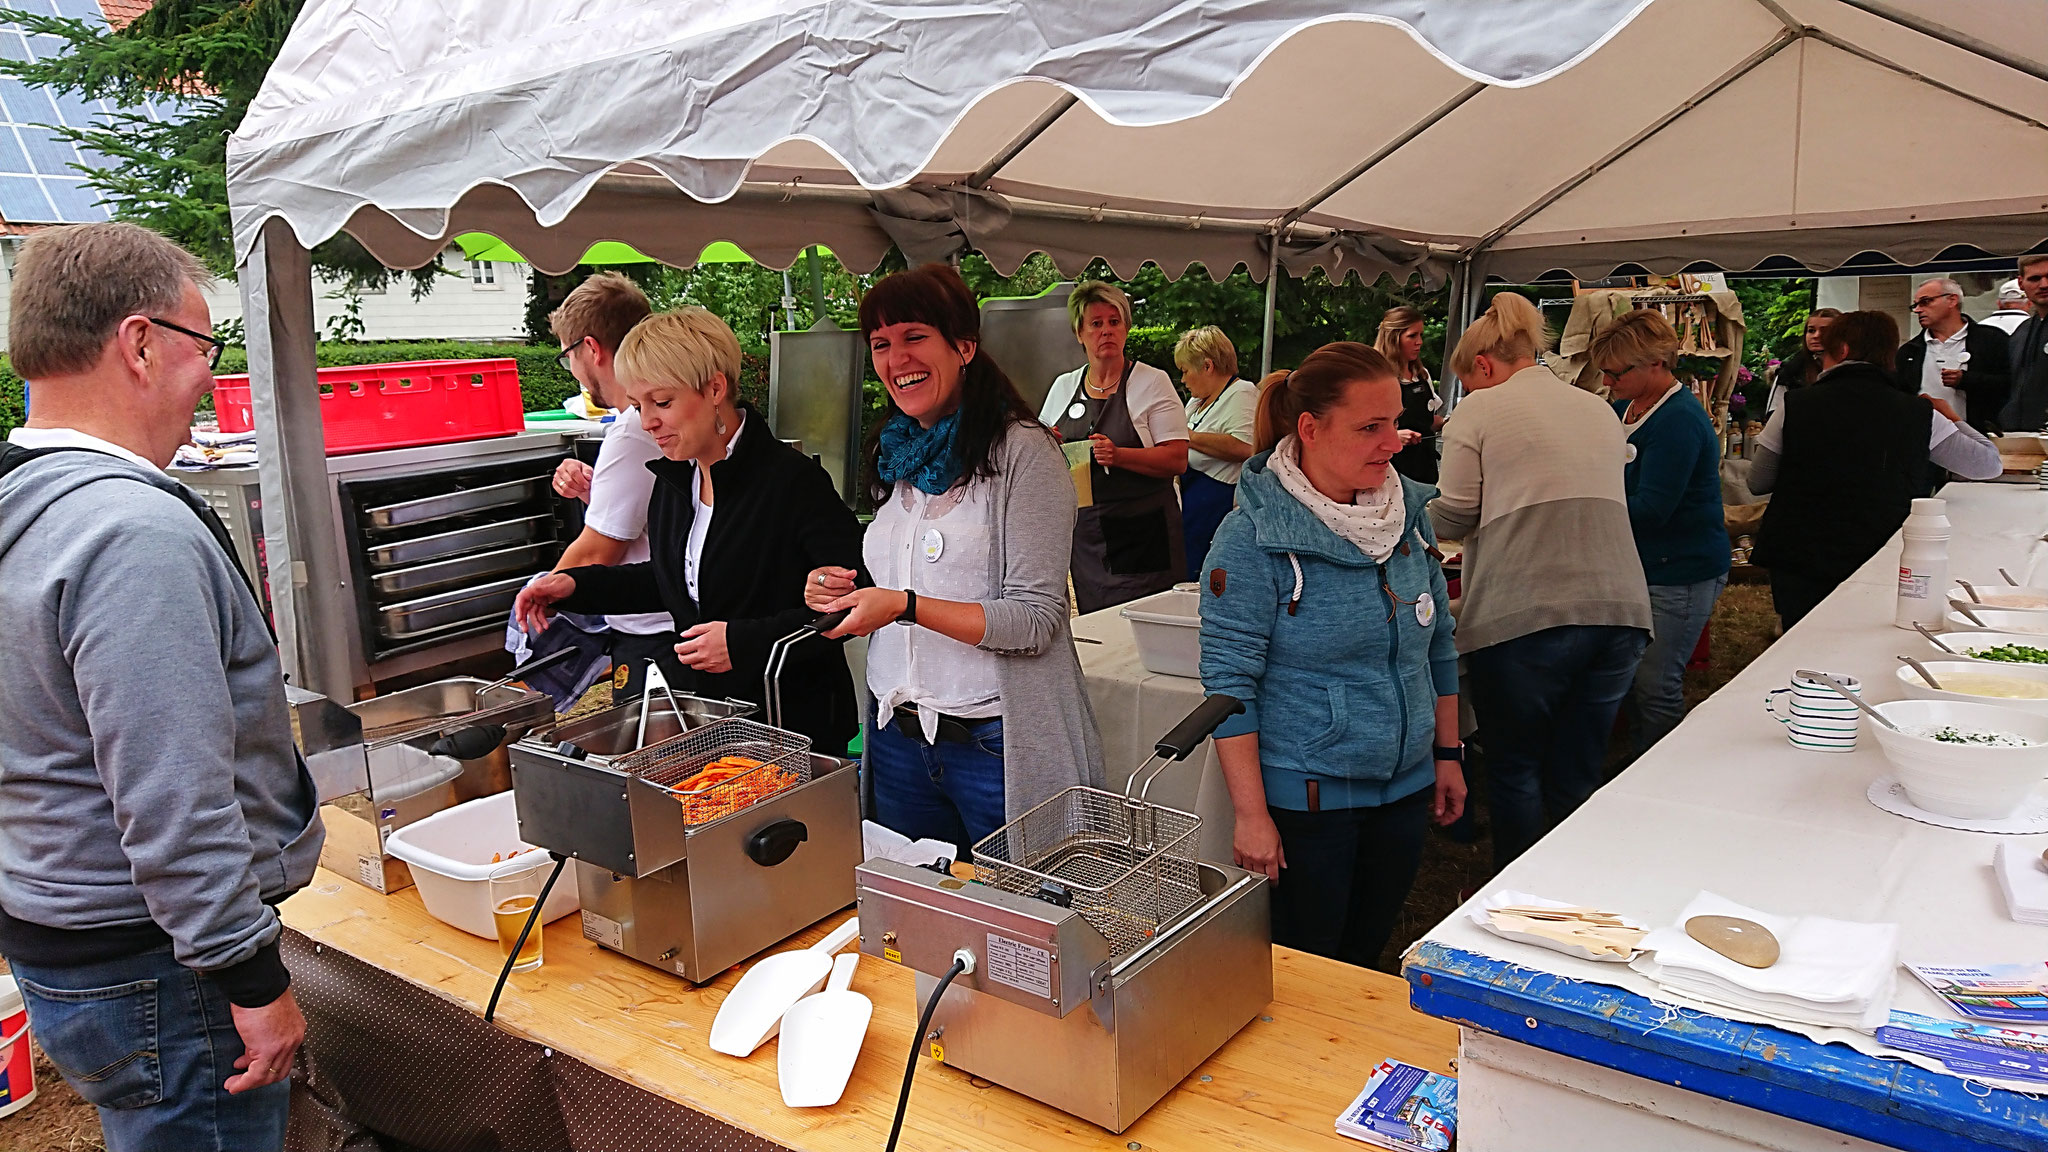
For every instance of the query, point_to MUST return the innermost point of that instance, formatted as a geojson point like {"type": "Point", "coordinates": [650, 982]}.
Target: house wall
{"type": "Point", "coordinates": [458, 308]}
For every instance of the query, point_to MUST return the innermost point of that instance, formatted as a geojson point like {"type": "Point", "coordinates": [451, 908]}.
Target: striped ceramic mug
{"type": "Point", "coordinates": [1820, 720]}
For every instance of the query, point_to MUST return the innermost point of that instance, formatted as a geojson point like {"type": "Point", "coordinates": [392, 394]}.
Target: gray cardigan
{"type": "Point", "coordinates": [1049, 737]}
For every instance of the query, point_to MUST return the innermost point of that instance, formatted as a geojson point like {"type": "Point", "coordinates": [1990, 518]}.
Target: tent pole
{"type": "Point", "coordinates": [1952, 38]}
{"type": "Point", "coordinates": [820, 317]}
{"type": "Point", "coordinates": [1272, 300]}
{"type": "Point", "coordinates": [311, 602]}
{"type": "Point", "coordinates": [1457, 317]}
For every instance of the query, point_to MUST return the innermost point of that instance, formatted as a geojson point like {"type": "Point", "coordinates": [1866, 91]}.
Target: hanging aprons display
{"type": "Point", "coordinates": [1128, 543]}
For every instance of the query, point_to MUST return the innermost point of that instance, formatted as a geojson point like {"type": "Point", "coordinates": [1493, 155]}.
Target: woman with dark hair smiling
{"type": "Point", "coordinates": [974, 522]}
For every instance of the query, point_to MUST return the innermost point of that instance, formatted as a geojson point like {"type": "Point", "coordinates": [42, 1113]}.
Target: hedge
{"type": "Point", "coordinates": [543, 385]}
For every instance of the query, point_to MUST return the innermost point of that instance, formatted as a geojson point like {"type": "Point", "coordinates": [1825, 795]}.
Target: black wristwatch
{"type": "Point", "coordinates": [1455, 752]}
{"type": "Point", "coordinates": [909, 614]}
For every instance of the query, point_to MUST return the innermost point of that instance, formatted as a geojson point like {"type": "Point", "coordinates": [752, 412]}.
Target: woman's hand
{"type": "Point", "coordinates": [703, 648]}
{"type": "Point", "coordinates": [1449, 802]}
{"type": "Point", "coordinates": [871, 609]}
{"type": "Point", "coordinates": [531, 610]}
{"type": "Point", "coordinates": [1945, 408]}
{"type": "Point", "coordinates": [1409, 436]}
{"type": "Point", "coordinates": [1105, 450]}
{"type": "Point", "coordinates": [824, 585]}
{"type": "Point", "coordinates": [1255, 845]}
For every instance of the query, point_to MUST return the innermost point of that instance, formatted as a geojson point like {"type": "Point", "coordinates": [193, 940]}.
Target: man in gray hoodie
{"type": "Point", "coordinates": [153, 809]}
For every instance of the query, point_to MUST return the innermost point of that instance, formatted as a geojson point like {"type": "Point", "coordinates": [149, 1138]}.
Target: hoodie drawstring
{"type": "Point", "coordinates": [1294, 602]}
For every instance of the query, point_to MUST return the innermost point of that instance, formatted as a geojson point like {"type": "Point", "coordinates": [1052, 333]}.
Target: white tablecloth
{"type": "Point", "coordinates": [1726, 804]}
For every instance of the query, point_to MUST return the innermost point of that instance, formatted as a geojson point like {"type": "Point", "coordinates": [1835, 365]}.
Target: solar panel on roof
{"type": "Point", "coordinates": [38, 181]}
{"type": "Point", "coordinates": [76, 203]}
{"type": "Point", "coordinates": [22, 200]}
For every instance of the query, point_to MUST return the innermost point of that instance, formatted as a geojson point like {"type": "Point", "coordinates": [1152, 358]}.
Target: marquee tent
{"type": "Point", "coordinates": [1460, 137]}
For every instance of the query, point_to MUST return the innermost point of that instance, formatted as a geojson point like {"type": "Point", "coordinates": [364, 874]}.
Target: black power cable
{"type": "Point", "coordinates": [924, 1023]}
{"type": "Point", "coordinates": [532, 922]}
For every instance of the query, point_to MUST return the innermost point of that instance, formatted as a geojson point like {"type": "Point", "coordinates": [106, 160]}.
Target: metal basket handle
{"type": "Point", "coordinates": [778, 655]}
{"type": "Point", "coordinates": [1181, 742]}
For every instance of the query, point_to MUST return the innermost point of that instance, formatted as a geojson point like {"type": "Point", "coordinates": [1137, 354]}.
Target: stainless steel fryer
{"type": "Point", "coordinates": [1107, 961]}
{"type": "Point", "coordinates": [691, 882]}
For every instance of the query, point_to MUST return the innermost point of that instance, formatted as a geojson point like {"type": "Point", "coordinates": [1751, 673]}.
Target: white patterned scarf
{"type": "Point", "coordinates": [1373, 521]}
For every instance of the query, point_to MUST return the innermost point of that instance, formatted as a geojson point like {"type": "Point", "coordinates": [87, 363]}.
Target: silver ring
{"type": "Point", "coordinates": [821, 579]}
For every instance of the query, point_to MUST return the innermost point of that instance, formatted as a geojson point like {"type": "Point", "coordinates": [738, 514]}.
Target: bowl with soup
{"type": "Point", "coordinates": [1969, 760]}
{"type": "Point", "coordinates": [2022, 686]}
{"type": "Point", "coordinates": [2002, 597]}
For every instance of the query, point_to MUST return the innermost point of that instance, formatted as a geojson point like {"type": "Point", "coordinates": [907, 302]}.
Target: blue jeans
{"type": "Point", "coordinates": [1545, 704]}
{"type": "Point", "coordinates": [151, 1042]}
{"type": "Point", "coordinates": [951, 791]}
{"type": "Point", "coordinates": [1679, 613]}
{"type": "Point", "coordinates": [1204, 502]}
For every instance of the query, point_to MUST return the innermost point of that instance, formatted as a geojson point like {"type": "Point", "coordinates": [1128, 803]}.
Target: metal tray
{"type": "Point", "coordinates": [449, 609]}
{"type": "Point", "coordinates": [446, 705]}
{"type": "Point", "coordinates": [442, 545]}
{"type": "Point", "coordinates": [424, 578]}
{"type": "Point", "coordinates": [457, 503]}
{"type": "Point", "coordinates": [611, 733]}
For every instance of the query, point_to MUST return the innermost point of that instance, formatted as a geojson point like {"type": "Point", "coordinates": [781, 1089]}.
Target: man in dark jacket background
{"type": "Point", "coordinates": [1954, 358]}
{"type": "Point", "coordinates": [2027, 353]}
{"type": "Point", "coordinates": [153, 808]}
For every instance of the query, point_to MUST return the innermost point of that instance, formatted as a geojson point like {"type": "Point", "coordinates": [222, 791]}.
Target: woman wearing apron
{"type": "Point", "coordinates": [1220, 416]}
{"type": "Point", "coordinates": [1127, 542]}
{"type": "Point", "coordinates": [1400, 341]}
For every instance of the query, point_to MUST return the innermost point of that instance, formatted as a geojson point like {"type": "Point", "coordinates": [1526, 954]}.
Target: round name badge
{"type": "Point", "coordinates": [1425, 609]}
{"type": "Point", "coordinates": [1077, 411]}
{"type": "Point", "coordinates": [934, 545]}
{"type": "Point", "coordinates": [1628, 454]}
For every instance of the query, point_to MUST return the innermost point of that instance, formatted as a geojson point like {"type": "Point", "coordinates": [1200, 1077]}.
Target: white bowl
{"type": "Point", "coordinates": [1968, 643]}
{"type": "Point", "coordinates": [1947, 671]}
{"type": "Point", "coordinates": [2003, 597]}
{"type": "Point", "coordinates": [2000, 620]}
{"type": "Point", "coordinates": [1971, 782]}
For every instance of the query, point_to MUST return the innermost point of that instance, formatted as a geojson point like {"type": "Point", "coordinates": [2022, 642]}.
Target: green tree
{"type": "Point", "coordinates": [206, 59]}
{"type": "Point", "coordinates": [1774, 312]}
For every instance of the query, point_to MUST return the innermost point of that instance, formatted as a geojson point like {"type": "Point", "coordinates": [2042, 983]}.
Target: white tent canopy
{"type": "Point", "coordinates": [1575, 134]}
{"type": "Point", "coordinates": [1483, 137]}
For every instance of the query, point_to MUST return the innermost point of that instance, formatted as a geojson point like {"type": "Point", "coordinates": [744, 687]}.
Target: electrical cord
{"type": "Point", "coordinates": [532, 922]}
{"type": "Point", "coordinates": [924, 1023]}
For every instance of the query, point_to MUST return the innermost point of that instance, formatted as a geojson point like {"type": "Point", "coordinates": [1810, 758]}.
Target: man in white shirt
{"type": "Point", "coordinates": [1954, 359]}
{"type": "Point", "coordinates": [590, 323]}
{"type": "Point", "coordinates": [2013, 309]}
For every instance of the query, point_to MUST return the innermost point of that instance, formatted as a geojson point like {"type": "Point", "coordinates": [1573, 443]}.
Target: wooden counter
{"type": "Point", "coordinates": [1277, 1084]}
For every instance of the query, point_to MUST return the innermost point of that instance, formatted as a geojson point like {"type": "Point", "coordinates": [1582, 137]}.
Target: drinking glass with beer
{"type": "Point", "coordinates": [515, 889]}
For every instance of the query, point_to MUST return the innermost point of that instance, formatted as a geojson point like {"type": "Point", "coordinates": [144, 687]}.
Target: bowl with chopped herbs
{"type": "Point", "coordinates": [2001, 647]}
{"type": "Point", "coordinates": [1968, 760]}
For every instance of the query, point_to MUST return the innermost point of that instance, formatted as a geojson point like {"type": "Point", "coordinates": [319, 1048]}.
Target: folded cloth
{"type": "Point", "coordinates": [2023, 880]}
{"type": "Point", "coordinates": [1830, 973]}
{"type": "Point", "coordinates": [563, 683]}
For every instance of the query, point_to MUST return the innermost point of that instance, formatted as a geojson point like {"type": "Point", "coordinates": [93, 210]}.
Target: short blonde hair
{"type": "Point", "coordinates": [1638, 338]}
{"type": "Point", "coordinates": [1096, 292]}
{"type": "Point", "coordinates": [604, 307]}
{"type": "Point", "coordinates": [685, 347]}
{"type": "Point", "coordinates": [1197, 346]}
{"type": "Point", "coordinates": [1510, 329]}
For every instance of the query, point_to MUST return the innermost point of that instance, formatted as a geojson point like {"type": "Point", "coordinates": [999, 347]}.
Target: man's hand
{"type": "Point", "coordinates": [1950, 377]}
{"type": "Point", "coordinates": [572, 479]}
{"type": "Point", "coordinates": [271, 1036]}
{"type": "Point", "coordinates": [703, 648]}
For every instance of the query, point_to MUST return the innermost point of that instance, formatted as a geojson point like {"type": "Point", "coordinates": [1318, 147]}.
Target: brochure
{"type": "Point", "coordinates": [1404, 1108]}
{"type": "Point", "coordinates": [1966, 1049]}
{"type": "Point", "coordinates": [2007, 993]}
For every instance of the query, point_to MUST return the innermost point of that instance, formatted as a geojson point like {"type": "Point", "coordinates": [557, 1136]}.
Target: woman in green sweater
{"type": "Point", "coordinates": [1673, 479]}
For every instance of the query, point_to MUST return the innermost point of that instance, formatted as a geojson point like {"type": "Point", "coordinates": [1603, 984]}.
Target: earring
{"type": "Point", "coordinates": [721, 425]}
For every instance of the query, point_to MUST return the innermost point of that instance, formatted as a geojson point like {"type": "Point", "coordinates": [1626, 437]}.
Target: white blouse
{"type": "Point", "coordinates": [937, 546]}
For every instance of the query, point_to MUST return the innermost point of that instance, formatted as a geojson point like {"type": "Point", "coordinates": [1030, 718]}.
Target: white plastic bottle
{"type": "Point", "coordinates": [1923, 566]}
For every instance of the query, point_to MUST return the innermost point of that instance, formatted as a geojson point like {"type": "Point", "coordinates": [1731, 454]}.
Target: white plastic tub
{"type": "Point", "coordinates": [450, 854]}
{"type": "Point", "coordinates": [1168, 626]}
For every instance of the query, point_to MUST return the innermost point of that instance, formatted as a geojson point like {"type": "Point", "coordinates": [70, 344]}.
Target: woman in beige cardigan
{"type": "Point", "coordinates": [1554, 612]}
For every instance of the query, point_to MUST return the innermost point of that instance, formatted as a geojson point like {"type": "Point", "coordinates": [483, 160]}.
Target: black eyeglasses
{"type": "Point", "coordinates": [562, 357]}
{"type": "Point", "coordinates": [213, 347]}
{"type": "Point", "coordinates": [1927, 301]}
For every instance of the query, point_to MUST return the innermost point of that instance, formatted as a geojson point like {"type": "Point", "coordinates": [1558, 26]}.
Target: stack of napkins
{"type": "Point", "coordinates": [1830, 973]}
{"type": "Point", "coordinates": [2024, 881]}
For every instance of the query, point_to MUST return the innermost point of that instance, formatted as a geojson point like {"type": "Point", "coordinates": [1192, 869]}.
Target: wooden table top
{"type": "Point", "coordinates": [1278, 1084]}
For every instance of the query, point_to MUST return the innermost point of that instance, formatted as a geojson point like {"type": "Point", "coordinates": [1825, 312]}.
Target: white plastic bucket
{"type": "Point", "coordinates": [17, 1068]}
{"type": "Point", "coordinates": [1168, 628]}
{"type": "Point", "coordinates": [450, 854]}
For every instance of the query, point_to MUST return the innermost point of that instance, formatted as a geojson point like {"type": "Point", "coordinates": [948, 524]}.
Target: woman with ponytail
{"type": "Point", "coordinates": [1554, 612]}
{"type": "Point", "coordinates": [1323, 610]}
{"type": "Point", "coordinates": [974, 518]}
{"type": "Point", "coordinates": [1400, 340]}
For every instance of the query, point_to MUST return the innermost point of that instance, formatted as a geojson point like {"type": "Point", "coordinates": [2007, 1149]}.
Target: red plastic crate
{"type": "Point", "coordinates": [366, 407]}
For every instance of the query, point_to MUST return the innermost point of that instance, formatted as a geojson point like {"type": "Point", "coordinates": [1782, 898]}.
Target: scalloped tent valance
{"type": "Point", "coordinates": [1379, 134]}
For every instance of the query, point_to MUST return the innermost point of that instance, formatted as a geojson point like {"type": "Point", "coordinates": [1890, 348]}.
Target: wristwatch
{"type": "Point", "coordinates": [909, 615]}
{"type": "Point", "coordinates": [1454, 752]}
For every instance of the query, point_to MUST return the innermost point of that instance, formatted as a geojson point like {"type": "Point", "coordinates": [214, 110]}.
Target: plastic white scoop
{"type": "Point", "coordinates": [821, 1038]}
{"type": "Point", "coordinates": [753, 1010]}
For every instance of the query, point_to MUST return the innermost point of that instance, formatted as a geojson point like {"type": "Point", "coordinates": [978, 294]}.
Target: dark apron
{"type": "Point", "coordinates": [1128, 544]}
{"type": "Point", "coordinates": [1418, 461]}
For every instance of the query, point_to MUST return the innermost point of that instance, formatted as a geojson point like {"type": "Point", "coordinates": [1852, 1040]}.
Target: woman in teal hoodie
{"type": "Point", "coordinates": [1323, 609]}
